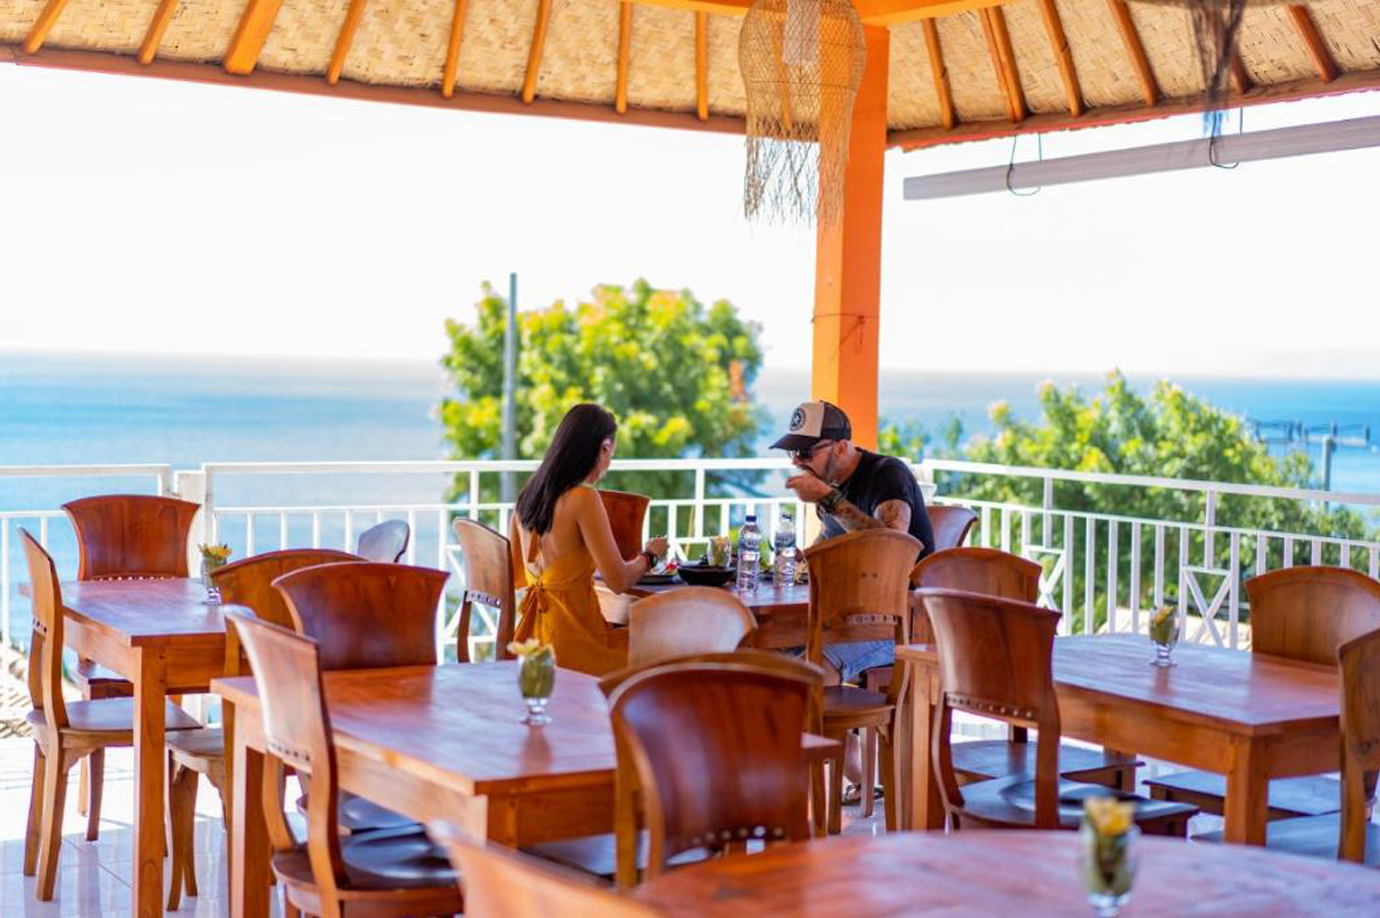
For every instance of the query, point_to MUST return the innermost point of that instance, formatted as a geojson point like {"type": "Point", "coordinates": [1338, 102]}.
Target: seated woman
{"type": "Point", "coordinates": [562, 530]}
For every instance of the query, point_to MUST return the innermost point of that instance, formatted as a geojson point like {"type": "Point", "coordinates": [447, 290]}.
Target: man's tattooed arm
{"type": "Point", "coordinates": [891, 514]}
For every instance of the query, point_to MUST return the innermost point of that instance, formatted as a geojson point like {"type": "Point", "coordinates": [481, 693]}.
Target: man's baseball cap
{"type": "Point", "coordinates": [814, 422]}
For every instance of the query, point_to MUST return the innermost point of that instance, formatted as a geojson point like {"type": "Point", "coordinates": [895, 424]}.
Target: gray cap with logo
{"type": "Point", "coordinates": [814, 422]}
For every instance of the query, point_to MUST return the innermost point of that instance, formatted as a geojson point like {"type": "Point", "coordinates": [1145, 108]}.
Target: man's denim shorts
{"type": "Point", "coordinates": [851, 659]}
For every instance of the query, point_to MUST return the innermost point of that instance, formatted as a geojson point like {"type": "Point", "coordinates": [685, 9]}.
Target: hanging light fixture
{"type": "Point", "coordinates": [802, 63]}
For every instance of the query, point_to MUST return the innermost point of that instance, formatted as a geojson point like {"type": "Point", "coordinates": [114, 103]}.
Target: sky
{"type": "Point", "coordinates": [151, 216]}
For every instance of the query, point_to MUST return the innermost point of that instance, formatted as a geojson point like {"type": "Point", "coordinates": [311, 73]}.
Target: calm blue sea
{"type": "Point", "coordinates": [70, 409]}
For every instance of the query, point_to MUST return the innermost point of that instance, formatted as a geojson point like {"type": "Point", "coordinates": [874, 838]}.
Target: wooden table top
{"type": "Point", "coordinates": [1004, 873]}
{"type": "Point", "coordinates": [764, 600]}
{"type": "Point", "coordinates": [1232, 690]}
{"type": "Point", "coordinates": [460, 725]}
{"type": "Point", "coordinates": [144, 612]}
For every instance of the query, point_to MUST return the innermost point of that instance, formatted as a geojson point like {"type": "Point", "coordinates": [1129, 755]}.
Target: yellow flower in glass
{"type": "Point", "coordinates": [1164, 634]}
{"type": "Point", "coordinates": [536, 677]}
{"type": "Point", "coordinates": [1107, 853]}
{"type": "Point", "coordinates": [213, 557]}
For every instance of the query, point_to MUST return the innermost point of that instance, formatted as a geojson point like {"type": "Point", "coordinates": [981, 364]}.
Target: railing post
{"type": "Point", "coordinates": [698, 515]}
{"type": "Point", "coordinates": [1048, 515]}
{"type": "Point", "coordinates": [1209, 521]}
{"type": "Point", "coordinates": [195, 486]}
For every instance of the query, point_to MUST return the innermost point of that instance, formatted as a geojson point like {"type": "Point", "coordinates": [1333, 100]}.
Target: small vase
{"type": "Point", "coordinates": [208, 567]}
{"type": "Point", "coordinates": [536, 680]}
{"type": "Point", "coordinates": [1164, 634]}
{"type": "Point", "coordinates": [1108, 864]}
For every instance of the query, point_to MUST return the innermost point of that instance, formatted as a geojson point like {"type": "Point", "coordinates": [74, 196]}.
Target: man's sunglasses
{"type": "Point", "coordinates": [808, 453]}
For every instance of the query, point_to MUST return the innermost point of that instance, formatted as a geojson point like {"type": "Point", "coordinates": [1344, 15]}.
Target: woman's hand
{"type": "Point", "coordinates": [657, 546]}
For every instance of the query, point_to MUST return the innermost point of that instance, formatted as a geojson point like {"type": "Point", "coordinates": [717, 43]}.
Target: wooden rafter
{"type": "Point", "coordinates": [529, 82]}
{"type": "Point", "coordinates": [1149, 89]}
{"type": "Point", "coordinates": [1004, 61]}
{"type": "Point", "coordinates": [941, 75]}
{"type": "Point", "coordinates": [702, 66]}
{"type": "Point", "coordinates": [43, 25]}
{"type": "Point", "coordinates": [344, 39]}
{"type": "Point", "coordinates": [872, 12]}
{"type": "Point", "coordinates": [620, 89]}
{"type": "Point", "coordinates": [1240, 79]}
{"type": "Point", "coordinates": [157, 26]}
{"type": "Point", "coordinates": [1317, 50]}
{"type": "Point", "coordinates": [255, 23]}
{"type": "Point", "coordinates": [1059, 44]}
{"type": "Point", "coordinates": [457, 35]}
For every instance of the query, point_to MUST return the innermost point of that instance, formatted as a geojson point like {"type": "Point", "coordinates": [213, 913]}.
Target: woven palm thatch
{"type": "Point", "coordinates": [680, 67]}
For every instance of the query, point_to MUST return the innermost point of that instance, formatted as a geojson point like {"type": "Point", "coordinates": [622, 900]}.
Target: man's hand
{"type": "Point", "coordinates": [808, 487]}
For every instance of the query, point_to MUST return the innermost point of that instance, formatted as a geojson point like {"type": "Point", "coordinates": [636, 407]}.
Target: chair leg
{"type": "Point", "coordinates": [836, 797]}
{"type": "Point", "coordinates": [182, 823]}
{"type": "Point", "coordinates": [95, 793]}
{"type": "Point", "coordinates": [54, 802]}
{"type": "Point", "coordinates": [34, 830]}
{"type": "Point", "coordinates": [890, 792]}
{"type": "Point", "coordinates": [869, 775]}
{"type": "Point", "coordinates": [819, 807]}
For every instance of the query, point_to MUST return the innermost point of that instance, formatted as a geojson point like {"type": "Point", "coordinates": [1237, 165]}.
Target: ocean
{"type": "Point", "coordinates": [66, 409]}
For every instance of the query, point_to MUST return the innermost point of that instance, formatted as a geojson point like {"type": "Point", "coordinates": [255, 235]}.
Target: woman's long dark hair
{"type": "Point", "coordinates": [568, 461]}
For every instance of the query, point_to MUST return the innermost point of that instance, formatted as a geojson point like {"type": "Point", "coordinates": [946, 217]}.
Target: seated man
{"type": "Point", "coordinates": [852, 489]}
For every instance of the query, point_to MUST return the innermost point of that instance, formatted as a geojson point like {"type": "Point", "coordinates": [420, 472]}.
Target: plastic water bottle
{"type": "Point", "coordinates": [784, 543]}
{"type": "Point", "coordinates": [749, 554]}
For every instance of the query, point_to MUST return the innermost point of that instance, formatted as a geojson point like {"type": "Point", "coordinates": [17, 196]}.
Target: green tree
{"type": "Point", "coordinates": [1168, 434]}
{"type": "Point", "coordinates": [675, 372]}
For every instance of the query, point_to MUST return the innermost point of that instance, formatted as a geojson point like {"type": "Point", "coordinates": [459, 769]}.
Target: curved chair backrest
{"type": "Point", "coordinates": [860, 590]}
{"type": "Point", "coordinates": [1306, 613]}
{"type": "Point", "coordinates": [996, 661]}
{"type": "Point", "coordinates": [502, 883]}
{"type": "Point", "coordinates": [249, 582]}
{"type": "Point", "coordinates": [488, 560]}
{"type": "Point", "coordinates": [287, 673]}
{"type": "Point", "coordinates": [1359, 659]}
{"type": "Point", "coordinates": [366, 615]}
{"type": "Point", "coordinates": [693, 619]}
{"type": "Point", "coordinates": [45, 648]}
{"type": "Point", "coordinates": [384, 542]}
{"type": "Point", "coordinates": [716, 751]}
{"type": "Point", "coordinates": [950, 524]}
{"type": "Point", "coordinates": [626, 512]}
{"type": "Point", "coordinates": [972, 570]}
{"type": "Point", "coordinates": [131, 535]}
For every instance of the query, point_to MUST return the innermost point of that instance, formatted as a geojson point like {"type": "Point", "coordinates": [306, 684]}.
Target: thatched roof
{"type": "Point", "coordinates": [958, 69]}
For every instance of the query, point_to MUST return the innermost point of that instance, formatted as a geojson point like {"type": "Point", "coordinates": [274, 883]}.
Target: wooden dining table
{"type": "Point", "coordinates": [996, 874]}
{"type": "Point", "coordinates": [162, 637]}
{"type": "Point", "coordinates": [782, 613]}
{"type": "Point", "coordinates": [1249, 716]}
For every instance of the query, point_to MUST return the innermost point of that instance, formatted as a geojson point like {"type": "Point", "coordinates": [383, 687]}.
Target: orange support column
{"type": "Point", "coordinates": [848, 260]}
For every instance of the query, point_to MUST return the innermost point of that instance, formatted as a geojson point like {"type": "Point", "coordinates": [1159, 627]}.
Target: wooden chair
{"type": "Point", "coordinates": [1348, 835]}
{"type": "Point", "coordinates": [684, 621]}
{"type": "Point", "coordinates": [626, 513]}
{"type": "Point", "coordinates": [997, 573]}
{"type": "Point", "coordinates": [386, 874]}
{"type": "Point", "coordinates": [950, 525]}
{"type": "Point", "coordinates": [996, 661]}
{"type": "Point", "coordinates": [366, 615]}
{"type": "Point", "coordinates": [384, 542]}
{"type": "Point", "coordinates": [1303, 613]}
{"type": "Point", "coordinates": [120, 537]}
{"type": "Point", "coordinates": [501, 883]}
{"type": "Point", "coordinates": [711, 756]}
{"type": "Point", "coordinates": [859, 591]}
{"type": "Point", "coordinates": [64, 733]}
{"type": "Point", "coordinates": [247, 582]}
{"type": "Point", "coordinates": [488, 560]}
{"type": "Point", "coordinates": [620, 856]}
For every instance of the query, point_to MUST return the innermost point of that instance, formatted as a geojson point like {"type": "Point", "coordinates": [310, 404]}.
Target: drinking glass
{"type": "Point", "coordinates": [536, 681]}
{"type": "Point", "coordinates": [1165, 626]}
{"type": "Point", "coordinates": [208, 567]}
{"type": "Point", "coordinates": [1108, 864]}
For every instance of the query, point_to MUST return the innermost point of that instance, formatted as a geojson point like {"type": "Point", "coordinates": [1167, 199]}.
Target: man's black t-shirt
{"type": "Point", "coordinates": [878, 479]}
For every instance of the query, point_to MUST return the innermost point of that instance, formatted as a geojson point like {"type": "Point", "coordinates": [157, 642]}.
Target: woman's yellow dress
{"type": "Point", "coordinates": [561, 608]}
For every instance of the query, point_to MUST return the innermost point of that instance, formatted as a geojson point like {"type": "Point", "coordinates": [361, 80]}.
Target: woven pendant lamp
{"type": "Point", "coordinates": [802, 63]}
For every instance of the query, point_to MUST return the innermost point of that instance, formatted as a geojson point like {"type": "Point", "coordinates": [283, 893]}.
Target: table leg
{"type": "Point", "coordinates": [1247, 797]}
{"type": "Point", "coordinates": [249, 889]}
{"type": "Point", "coordinates": [926, 810]}
{"type": "Point", "coordinates": [150, 759]}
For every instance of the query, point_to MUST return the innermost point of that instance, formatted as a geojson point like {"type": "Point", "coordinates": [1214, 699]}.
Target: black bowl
{"type": "Point", "coordinates": [704, 575]}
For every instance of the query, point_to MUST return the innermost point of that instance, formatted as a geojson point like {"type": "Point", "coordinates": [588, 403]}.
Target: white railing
{"type": "Point", "coordinates": [1103, 570]}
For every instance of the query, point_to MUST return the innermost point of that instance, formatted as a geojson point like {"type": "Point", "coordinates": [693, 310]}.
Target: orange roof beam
{"type": "Point", "coordinates": [1149, 88]}
{"type": "Point", "coordinates": [873, 12]}
{"type": "Point", "coordinates": [529, 82]}
{"type": "Point", "coordinates": [457, 35]}
{"type": "Point", "coordinates": [1004, 61]}
{"type": "Point", "coordinates": [941, 75]}
{"type": "Point", "coordinates": [1059, 43]}
{"type": "Point", "coordinates": [250, 35]}
{"type": "Point", "coordinates": [344, 40]}
{"type": "Point", "coordinates": [620, 89]}
{"type": "Point", "coordinates": [157, 26]}
{"type": "Point", "coordinates": [1317, 50]}
{"type": "Point", "coordinates": [1240, 79]}
{"type": "Point", "coordinates": [702, 66]}
{"type": "Point", "coordinates": [43, 25]}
